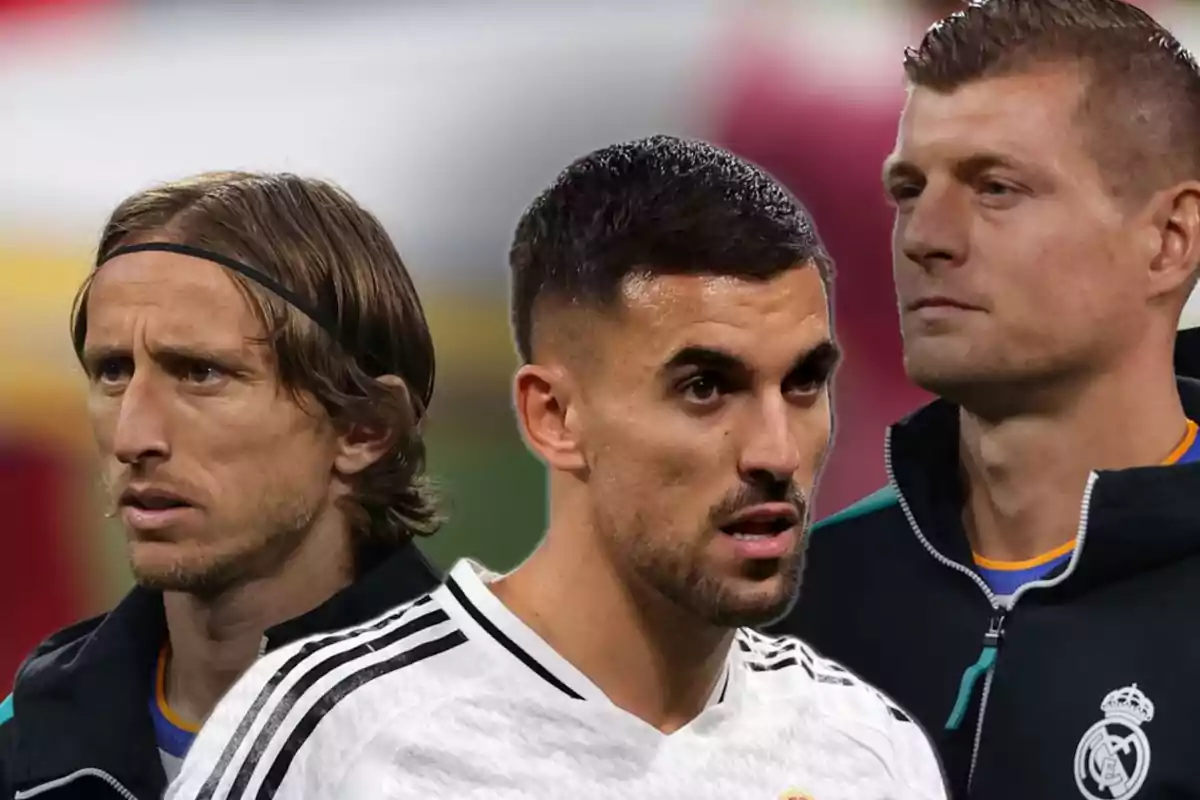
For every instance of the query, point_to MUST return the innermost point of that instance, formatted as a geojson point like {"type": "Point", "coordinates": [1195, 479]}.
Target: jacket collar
{"type": "Point", "coordinates": [1136, 519]}
{"type": "Point", "coordinates": [81, 698]}
{"type": "Point", "coordinates": [397, 579]}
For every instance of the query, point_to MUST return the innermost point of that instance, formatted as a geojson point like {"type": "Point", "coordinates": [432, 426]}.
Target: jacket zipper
{"type": "Point", "coordinates": [995, 633]}
{"type": "Point", "coordinates": [58, 783]}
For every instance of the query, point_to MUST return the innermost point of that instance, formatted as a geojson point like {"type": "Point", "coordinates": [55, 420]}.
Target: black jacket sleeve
{"type": "Point", "coordinates": [7, 731]}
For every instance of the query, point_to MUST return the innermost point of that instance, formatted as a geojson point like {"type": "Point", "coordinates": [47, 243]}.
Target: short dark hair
{"type": "Point", "coordinates": [654, 206]}
{"type": "Point", "coordinates": [1142, 87]}
{"type": "Point", "coordinates": [316, 240]}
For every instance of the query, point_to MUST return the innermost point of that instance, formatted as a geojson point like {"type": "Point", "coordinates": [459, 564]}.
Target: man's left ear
{"type": "Point", "coordinates": [360, 445]}
{"type": "Point", "coordinates": [1173, 238]}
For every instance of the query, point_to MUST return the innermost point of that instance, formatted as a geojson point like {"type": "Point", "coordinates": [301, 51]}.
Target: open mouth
{"type": "Point", "coordinates": [152, 501]}
{"type": "Point", "coordinates": [762, 522]}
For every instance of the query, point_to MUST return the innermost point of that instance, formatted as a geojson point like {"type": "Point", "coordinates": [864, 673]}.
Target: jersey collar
{"type": "Point", "coordinates": [483, 617]}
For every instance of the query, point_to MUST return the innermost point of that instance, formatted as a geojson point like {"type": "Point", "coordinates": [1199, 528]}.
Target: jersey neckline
{"type": "Point", "coordinates": [466, 596]}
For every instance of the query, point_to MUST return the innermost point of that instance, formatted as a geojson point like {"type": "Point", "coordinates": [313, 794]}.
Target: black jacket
{"type": "Point", "coordinates": [81, 727]}
{"type": "Point", "coordinates": [1093, 691]}
{"type": "Point", "coordinates": [1187, 353]}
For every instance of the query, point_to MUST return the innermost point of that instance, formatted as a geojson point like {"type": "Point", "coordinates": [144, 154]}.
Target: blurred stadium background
{"type": "Point", "coordinates": [445, 119]}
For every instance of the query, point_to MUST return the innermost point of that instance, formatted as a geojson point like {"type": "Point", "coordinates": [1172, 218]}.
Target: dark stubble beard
{"type": "Point", "coordinates": [679, 578]}
{"type": "Point", "coordinates": [677, 570]}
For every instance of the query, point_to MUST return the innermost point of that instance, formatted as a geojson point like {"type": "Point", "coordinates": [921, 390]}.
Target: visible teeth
{"type": "Point", "coordinates": [751, 536]}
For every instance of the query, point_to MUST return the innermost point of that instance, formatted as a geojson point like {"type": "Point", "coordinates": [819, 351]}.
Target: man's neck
{"type": "Point", "coordinates": [648, 656]}
{"type": "Point", "coordinates": [213, 640]}
{"type": "Point", "coordinates": [1025, 475]}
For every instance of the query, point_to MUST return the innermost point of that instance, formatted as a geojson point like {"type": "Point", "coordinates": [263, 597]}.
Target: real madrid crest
{"type": "Point", "coordinates": [1113, 757]}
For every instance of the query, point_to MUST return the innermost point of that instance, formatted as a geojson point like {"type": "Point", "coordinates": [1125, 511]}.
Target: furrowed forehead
{"type": "Point", "coordinates": [176, 300]}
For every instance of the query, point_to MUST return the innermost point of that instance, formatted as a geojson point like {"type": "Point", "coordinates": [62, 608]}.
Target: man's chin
{"type": "Point", "coordinates": [749, 599]}
{"type": "Point", "coordinates": [753, 612]}
{"type": "Point", "coordinates": [166, 573]}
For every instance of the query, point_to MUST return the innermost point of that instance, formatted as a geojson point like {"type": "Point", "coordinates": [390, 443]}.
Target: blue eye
{"type": "Point", "coordinates": [110, 371]}
{"type": "Point", "coordinates": [201, 373]}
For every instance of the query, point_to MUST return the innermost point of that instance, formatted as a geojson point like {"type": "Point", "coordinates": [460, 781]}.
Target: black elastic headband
{"type": "Point", "coordinates": [325, 319]}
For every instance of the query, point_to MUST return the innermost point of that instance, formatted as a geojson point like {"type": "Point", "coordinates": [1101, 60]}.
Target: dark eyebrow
{"type": "Point", "coordinates": [91, 356]}
{"type": "Point", "coordinates": [896, 167]}
{"type": "Point", "coordinates": [826, 355]}
{"type": "Point", "coordinates": [703, 358]}
{"type": "Point", "coordinates": [98, 351]}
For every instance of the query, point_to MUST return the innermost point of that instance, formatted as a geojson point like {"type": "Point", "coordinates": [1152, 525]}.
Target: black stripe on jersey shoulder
{"type": "Point", "coordinates": [753, 641]}
{"type": "Point", "coordinates": [434, 616]}
{"type": "Point", "coordinates": [312, 718]}
{"type": "Point", "coordinates": [756, 635]}
{"type": "Point", "coordinates": [774, 666]}
{"type": "Point", "coordinates": [762, 649]}
{"type": "Point", "coordinates": [893, 709]}
{"type": "Point", "coordinates": [789, 647]}
{"type": "Point", "coordinates": [756, 660]}
{"type": "Point", "coordinates": [751, 636]}
{"type": "Point", "coordinates": [508, 644]}
{"type": "Point", "coordinates": [767, 654]}
{"type": "Point", "coordinates": [819, 668]}
{"type": "Point", "coordinates": [307, 649]}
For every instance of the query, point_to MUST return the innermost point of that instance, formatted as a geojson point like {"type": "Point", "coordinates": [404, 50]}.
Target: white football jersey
{"type": "Point", "coordinates": [453, 697]}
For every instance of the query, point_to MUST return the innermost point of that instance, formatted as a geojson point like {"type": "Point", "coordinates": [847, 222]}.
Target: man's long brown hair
{"type": "Point", "coordinates": [314, 239]}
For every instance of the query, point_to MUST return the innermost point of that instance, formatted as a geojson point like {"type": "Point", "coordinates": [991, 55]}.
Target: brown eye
{"type": "Point", "coordinates": [805, 388]}
{"type": "Point", "coordinates": [702, 390]}
{"type": "Point", "coordinates": [814, 373]}
{"type": "Point", "coordinates": [902, 192]}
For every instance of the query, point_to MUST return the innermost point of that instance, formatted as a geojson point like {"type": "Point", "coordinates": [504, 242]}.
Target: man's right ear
{"type": "Point", "coordinates": [545, 400]}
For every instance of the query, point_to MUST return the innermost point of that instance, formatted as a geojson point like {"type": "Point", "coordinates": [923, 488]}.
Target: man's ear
{"type": "Point", "coordinates": [547, 405]}
{"type": "Point", "coordinates": [1174, 239]}
{"type": "Point", "coordinates": [360, 445]}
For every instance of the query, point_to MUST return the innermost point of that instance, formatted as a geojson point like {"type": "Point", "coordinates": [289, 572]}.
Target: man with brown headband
{"type": "Point", "coordinates": [258, 365]}
{"type": "Point", "coordinates": [1028, 584]}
